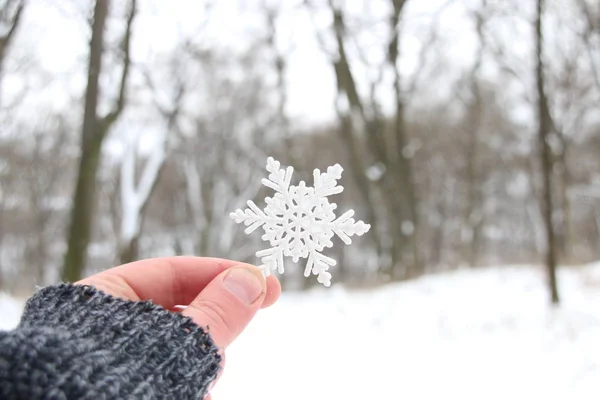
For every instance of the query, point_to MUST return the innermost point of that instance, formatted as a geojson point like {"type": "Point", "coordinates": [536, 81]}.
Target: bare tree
{"type": "Point", "coordinates": [573, 101]}
{"type": "Point", "coordinates": [94, 131]}
{"type": "Point", "coordinates": [135, 196]}
{"type": "Point", "coordinates": [350, 110]}
{"type": "Point", "coordinates": [473, 217]}
{"type": "Point", "coordinates": [280, 65]}
{"type": "Point", "coordinates": [544, 132]}
{"type": "Point", "coordinates": [465, 160]}
{"type": "Point", "coordinates": [11, 12]}
{"type": "Point", "coordinates": [388, 151]}
{"type": "Point", "coordinates": [408, 196]}
{"type": "Point", "coordinates": [218, 152]}
{"type": "Point", "coordinates": [42, 182]}
{"type": "Point", "coordinates": [591, 35]}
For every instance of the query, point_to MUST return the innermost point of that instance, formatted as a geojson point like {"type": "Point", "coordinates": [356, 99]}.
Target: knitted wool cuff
{"type": "Point", "coordinates": [76, 342]}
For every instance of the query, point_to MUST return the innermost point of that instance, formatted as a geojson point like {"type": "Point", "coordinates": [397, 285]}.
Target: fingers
{"type": "Point", "coordinates": [273, 291]}
{"type": "Point", "coordinates": [166, 281]}
{"type": "Point", "coordinates": [170, 281]}
{"type": "Point", "coordinates": [229, 302]}
{"type": "Point", "coordinates": [272, 295]}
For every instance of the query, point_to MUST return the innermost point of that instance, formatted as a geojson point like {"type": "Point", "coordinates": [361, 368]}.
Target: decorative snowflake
{"type": "Point", "coordinates": [299, 221]}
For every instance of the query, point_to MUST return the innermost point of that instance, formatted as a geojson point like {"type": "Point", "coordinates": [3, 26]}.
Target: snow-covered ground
{"type": "Point", "coordinates": [10, 311]}
{"type": "Point", "coordinates": [478, 334]}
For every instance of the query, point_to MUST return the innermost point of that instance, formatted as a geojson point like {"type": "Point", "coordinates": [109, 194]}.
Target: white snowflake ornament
{"type": "Point", "coordinates": [299, 221]}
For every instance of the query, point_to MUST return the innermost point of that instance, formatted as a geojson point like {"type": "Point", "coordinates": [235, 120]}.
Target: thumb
{"type": "Point", "coordinates": [228, 303]}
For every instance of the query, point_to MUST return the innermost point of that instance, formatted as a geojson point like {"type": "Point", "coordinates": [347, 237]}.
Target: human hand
{"type": "Point", "coordinates": [221, 294]}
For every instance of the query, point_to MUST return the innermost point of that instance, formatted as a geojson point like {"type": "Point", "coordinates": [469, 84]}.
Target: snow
{"type": "Point", "coordinates": [470, 334]}
{"type": "Point", "coordinates": [134, 196]}
{"type": "Point", "coordinates": [10, 311]}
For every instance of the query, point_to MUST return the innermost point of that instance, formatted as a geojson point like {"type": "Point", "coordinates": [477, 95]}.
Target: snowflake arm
{"type": "Point", "coordinates": [319, 264]}
{"type": "Point", "coordinates": [345, 226]}
{"type": "Point", "coordinates": [299, 221]}
{"type": "Point", "coordinates": [253, 217]}
{"type": "Point", "coordinates": [272, 259]}
{"type": "Point", "coordinates": [326, 183]}
{"type": "Point", "coordinates": [279, 179]}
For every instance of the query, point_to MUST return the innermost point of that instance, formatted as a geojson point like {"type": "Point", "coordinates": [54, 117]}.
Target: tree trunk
{"type": "Point", "coordinates": [91, 144]}
{"type": "Point", "coordinates": [357, 168]}
{"type": "Point", "coordinates": [566, 221]}
{"type": "Point", "coordinates": [440, 234]}
{"type": "Point", "coordinates": [544, 127]}
{"type": "Point", "coordinates": [407, 198]}
{"type": "Point", "coordinates": [82, 212]}
{"type": "Point", "coordinates": [41, 244]}
{"type": "Point", "coordinates": [475, 116]}
{"type": "Point", "coordinates": [2, 278]}
{"type": "Point", "coordinates": [473, 213]}
{"type": "Point", "coordinates": [94, 131]}
{"type": "Point", "coordinates": [564, 231]}
{"type": "Point", "coordinates": [130, 251]}
{"type": "Point", "coordinates": [136, 195]}
{"type": "Point", "coordinates": [347, 90]}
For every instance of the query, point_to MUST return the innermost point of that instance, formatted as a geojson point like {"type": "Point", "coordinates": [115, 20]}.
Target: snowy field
{"type": "Point", "coordinates": [483, 334]}
{"type": "Point", "coordinates": [10, 311]}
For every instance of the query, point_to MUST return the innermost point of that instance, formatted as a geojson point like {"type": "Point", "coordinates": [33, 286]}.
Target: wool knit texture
{"type": "Point", "coordinates": [76, 342]}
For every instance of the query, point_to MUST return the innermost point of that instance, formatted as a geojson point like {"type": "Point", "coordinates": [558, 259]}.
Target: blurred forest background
{"type": "Point", "coordinates": [469, 130]}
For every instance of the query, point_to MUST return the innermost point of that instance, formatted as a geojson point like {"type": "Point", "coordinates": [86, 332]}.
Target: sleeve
{"type": "Point", "coordinates": [76, 342]}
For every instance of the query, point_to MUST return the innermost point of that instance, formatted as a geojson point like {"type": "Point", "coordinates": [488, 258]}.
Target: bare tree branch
{"type": "Point", "coordinates": [12, 18]}
{"type": "Point", "coordinates": [119, 105]}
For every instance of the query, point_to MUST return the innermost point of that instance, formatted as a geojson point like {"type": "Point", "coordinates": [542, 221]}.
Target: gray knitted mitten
{"type": "Point", "coordinates": [76, 342]}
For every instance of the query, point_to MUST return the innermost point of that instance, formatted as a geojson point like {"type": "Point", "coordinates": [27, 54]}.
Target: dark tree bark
{"type": "Point", "coordinates": [561, 184]}
{"type": "Point", "coordinates": [407, 198]}
{"type": "Point", "coordinates": [544, 129]}
{"type": "Point", "coordinates": [473, 217]}
{"type": "Point", "coordinates": [129, 252]}
{"type": "Point", "coordinates": [94, 131]}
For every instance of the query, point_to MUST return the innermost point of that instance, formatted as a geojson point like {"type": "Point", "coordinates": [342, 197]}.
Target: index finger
{"type": "Point", "coordinates": [167, 281]}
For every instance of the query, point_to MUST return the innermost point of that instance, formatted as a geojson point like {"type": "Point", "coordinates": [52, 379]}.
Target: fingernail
{"type": "Point", "coordinates": [244, 284]}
